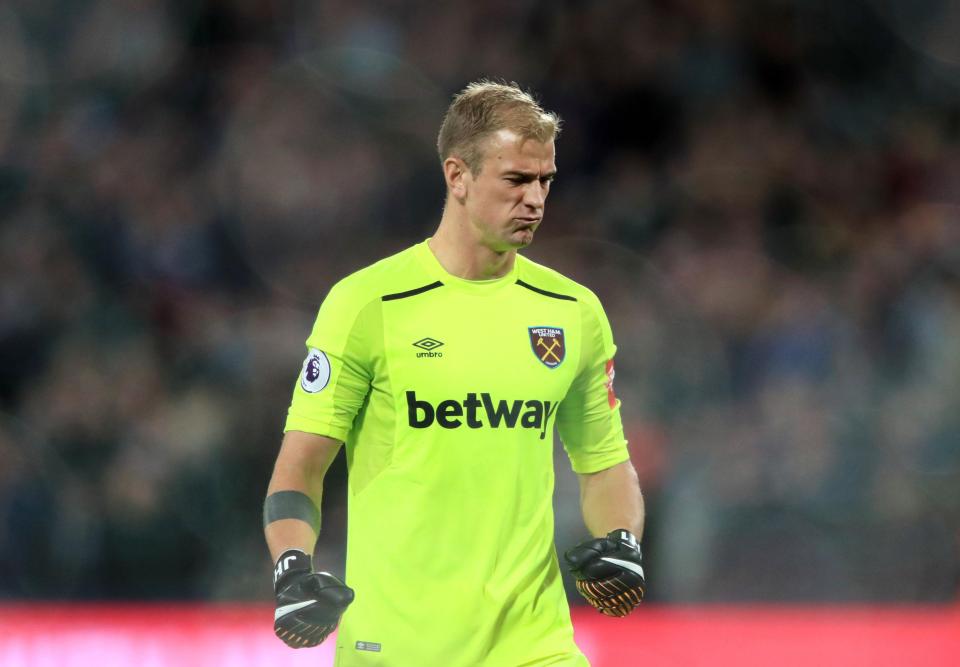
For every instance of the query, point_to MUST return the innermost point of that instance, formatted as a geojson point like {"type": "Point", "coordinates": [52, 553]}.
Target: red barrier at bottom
{"type": "Point", "coordinates": [241, 636]}
{"type": "Point", "coordinates": [772, 637]}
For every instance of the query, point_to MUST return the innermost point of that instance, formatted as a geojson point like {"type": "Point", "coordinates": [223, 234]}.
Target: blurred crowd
{"type": "Point", "coordinates": [762, 193]}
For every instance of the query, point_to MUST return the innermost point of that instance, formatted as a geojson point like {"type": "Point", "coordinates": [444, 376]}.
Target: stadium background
{"type": "Point", "coordinates": [764, 195]}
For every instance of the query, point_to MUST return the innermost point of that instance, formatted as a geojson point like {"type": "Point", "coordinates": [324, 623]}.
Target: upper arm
{"type": "Point", "coordinates": [589, 416]}
{"type": "Point", "coordinates": [337, 374]}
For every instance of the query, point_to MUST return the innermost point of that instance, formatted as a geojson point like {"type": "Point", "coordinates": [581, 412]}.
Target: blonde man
{"type": "Point", "coordinates": [443, 369]}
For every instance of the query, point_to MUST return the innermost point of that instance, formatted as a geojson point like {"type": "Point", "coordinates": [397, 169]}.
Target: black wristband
{"type": "Point", "coordinates": [291, 505]}
{"type": "Point", "coordinates": [291, 560]}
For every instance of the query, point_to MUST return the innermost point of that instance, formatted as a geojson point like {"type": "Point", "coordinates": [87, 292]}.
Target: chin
{"type": "Point", "coordinates": [520, 239]}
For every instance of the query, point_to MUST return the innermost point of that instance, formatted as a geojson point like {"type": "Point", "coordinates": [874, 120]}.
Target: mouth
{"type": "Point", "coordinates": [524, 230]}
{"type": "Point", "coordinates": [524, 224]}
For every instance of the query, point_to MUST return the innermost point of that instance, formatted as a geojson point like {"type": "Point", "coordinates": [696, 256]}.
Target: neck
{"type": "Point", "coordinates": [461, 253]}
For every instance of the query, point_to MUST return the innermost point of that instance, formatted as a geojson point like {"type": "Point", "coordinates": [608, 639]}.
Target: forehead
{"type": "Point", "coordinates": [506, 150]}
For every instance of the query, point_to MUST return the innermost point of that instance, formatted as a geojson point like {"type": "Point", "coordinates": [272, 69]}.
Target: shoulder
{"type": "Point", "coordinates": [544, 278]}
{"type": "Point", "coordinates": [393, 274]}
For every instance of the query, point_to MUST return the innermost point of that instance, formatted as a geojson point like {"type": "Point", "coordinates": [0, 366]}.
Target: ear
{"type": "Point", "coordinates": [456, 174]}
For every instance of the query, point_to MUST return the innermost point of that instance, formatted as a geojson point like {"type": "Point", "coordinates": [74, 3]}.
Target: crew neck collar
{"type": "Point", "coordinates": [436, 270]}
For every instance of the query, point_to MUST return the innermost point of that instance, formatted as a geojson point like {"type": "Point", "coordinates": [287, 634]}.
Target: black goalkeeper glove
{"type": "Point", "coordinates": [309, 604]}
{"type": "Point", "coordinates": [609, 572]}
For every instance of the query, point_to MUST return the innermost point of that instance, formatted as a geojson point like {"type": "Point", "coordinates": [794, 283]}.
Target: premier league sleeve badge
{"type": "Point", "coordinates": [316, 371]}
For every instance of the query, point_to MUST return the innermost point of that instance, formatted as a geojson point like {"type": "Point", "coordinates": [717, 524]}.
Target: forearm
{"type": "Point", "coordinates": [300, 467]}
{"type": "Point", "coordinates": [611, 499]}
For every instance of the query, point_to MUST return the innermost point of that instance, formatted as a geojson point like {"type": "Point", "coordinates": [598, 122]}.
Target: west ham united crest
{"type": "Point", "coordinates": [548, 345]}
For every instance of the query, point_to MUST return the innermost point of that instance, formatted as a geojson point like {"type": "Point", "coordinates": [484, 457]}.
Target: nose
{"type": "Point", "coordinates": [535, 195]}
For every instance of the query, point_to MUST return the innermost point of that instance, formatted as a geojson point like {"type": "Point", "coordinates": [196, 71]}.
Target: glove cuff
{"type": "Point", "coordinates": [624, 536]}
{"type": "Point", "coordinates": [290, 561]}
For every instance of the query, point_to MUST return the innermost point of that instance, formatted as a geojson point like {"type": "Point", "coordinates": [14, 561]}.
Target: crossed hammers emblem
{"type": "Point", "coordinates": [554, 344]}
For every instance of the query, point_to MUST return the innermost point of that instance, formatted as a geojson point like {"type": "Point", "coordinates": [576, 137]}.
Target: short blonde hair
{"type": "Point", "coordinates": [484, 107]}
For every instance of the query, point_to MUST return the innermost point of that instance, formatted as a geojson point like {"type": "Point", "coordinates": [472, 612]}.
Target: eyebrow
{"type": "Point", "coordinates": [529, 175]}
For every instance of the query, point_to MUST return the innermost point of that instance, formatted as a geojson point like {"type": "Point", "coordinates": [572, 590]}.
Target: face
{"type": "Point", "coordinates": [505, 201]}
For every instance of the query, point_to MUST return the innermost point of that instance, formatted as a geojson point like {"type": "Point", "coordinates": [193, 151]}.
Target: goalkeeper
{"type": "Point", "coordinates": [443, 370]}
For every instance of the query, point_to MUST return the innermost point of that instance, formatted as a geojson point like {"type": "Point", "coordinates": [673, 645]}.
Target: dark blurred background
{"type": "Point", "coordinates": [764, 194]}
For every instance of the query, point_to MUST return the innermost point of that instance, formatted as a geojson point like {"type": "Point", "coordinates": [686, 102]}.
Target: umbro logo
{"type": "Point", "coordinates": [428, 345]}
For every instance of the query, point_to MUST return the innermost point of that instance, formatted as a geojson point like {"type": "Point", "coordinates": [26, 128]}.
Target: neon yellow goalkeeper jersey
{"type": "Point", "coordinates": [445, 392]}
